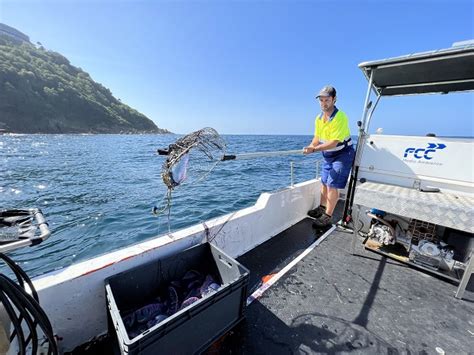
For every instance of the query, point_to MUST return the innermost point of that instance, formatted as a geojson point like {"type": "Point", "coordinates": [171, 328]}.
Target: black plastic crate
{"type": "Point", "coordinates": [192, 329]}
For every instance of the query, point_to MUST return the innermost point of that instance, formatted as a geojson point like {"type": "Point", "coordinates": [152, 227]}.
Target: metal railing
{"type": "Point", "coordinates": [292, 171]}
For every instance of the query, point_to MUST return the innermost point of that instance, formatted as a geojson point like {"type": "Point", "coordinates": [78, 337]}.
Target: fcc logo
{"type": "Point", "coordinates": [424, 153]}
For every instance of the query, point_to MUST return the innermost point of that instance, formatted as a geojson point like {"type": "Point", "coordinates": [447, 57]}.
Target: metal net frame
{"type": "Point", "coordinates": [206, 140]}
{"type": "Point", "coordinates": [205, 143]}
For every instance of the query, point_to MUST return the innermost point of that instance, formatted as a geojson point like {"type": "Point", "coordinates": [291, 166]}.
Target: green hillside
{"type": "Point", "coordinates": [41, 92]}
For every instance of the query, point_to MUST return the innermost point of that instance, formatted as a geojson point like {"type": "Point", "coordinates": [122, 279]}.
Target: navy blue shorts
{"type": "Point", "coordinates": [337, 167]}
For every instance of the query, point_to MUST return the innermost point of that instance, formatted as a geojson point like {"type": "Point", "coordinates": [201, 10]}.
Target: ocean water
{"type": "Point", "coordinates": [97, 191]}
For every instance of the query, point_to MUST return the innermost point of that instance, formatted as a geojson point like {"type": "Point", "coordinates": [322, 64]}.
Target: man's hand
{"type": "Point", "coordinates": [308, 150]}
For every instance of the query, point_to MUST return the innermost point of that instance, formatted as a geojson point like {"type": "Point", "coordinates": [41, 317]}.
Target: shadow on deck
{"type": "Point", "coordinates": [332, 301]}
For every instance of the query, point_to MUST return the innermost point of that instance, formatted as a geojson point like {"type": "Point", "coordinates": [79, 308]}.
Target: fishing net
{"type": "Point", "coordinates": [190, 159]}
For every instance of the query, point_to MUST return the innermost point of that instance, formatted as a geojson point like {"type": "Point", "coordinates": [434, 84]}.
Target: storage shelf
{"type": "Point", "coordinates": [449, 275]}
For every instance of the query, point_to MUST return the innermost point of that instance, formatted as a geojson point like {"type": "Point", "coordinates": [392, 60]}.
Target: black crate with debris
{"type": "Point", "coordinates": [177, 305]}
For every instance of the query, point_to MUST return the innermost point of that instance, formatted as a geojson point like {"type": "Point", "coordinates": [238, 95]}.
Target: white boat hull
{"type": "Point", "coordinates": [74, 297]}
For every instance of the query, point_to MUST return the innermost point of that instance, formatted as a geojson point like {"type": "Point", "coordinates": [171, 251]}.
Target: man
{"type": "Point", "coordinates": [333, 138]}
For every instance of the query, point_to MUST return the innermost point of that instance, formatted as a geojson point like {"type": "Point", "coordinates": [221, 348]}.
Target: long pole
{"type": "Point", "coordinates": [262, 154]}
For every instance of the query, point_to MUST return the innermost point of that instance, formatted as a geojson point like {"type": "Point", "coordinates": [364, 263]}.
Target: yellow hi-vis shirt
{"type": "Point", "coordinates": [336, 128]}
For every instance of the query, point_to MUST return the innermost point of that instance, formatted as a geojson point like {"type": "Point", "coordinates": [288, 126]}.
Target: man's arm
{"type": "Point", "coordinates": [327, 145]}
{"type": "Point", "coordinates": [315, 146]}
{"type": "Point", "coordinates": [314, 142]}
{"type": "Point", "coordinates": [310, 148]}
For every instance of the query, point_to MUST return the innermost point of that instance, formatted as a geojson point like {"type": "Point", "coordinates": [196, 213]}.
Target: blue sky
{"type": "Point", "coordinates": [252, 66]}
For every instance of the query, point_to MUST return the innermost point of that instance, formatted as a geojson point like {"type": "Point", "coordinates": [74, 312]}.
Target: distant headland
{"type": "Point", "coordinates": [41, 92]}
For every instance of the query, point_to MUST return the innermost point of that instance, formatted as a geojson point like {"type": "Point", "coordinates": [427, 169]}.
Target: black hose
{"type": "Point", "coordinates": [16, 323]}
{"type": "Point", "coordinates": [22, 308]}
{"type": "Point", "coordinates": [21, 275]}
{"type": "Point", "coordinates": [26, 312]}
{"type": "Point", "coordinates": [11, 291]}
{"type": "Point", "coordinates": [30, 311]}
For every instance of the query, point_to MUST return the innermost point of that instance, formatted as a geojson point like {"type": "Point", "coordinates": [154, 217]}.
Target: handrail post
{"type": "Point", "coordinates": [292, 164]}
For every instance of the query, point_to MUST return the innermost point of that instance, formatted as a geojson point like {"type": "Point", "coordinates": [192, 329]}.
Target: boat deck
{"type": "Point", "coordinates": [332, 301]}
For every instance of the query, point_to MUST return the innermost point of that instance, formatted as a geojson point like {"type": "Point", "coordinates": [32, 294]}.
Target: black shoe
{"type": "Point", "coordinates": [322, 221]}
{"type": "Point", "coordinates": [317, 212]}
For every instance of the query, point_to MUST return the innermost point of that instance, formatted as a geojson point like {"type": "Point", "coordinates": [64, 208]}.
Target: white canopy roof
{"type": "Point", "coordinates": [440, 71]}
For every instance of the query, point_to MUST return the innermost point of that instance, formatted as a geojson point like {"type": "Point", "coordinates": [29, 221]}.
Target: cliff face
{"type": "Point", "coordinates": [41, 92]}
